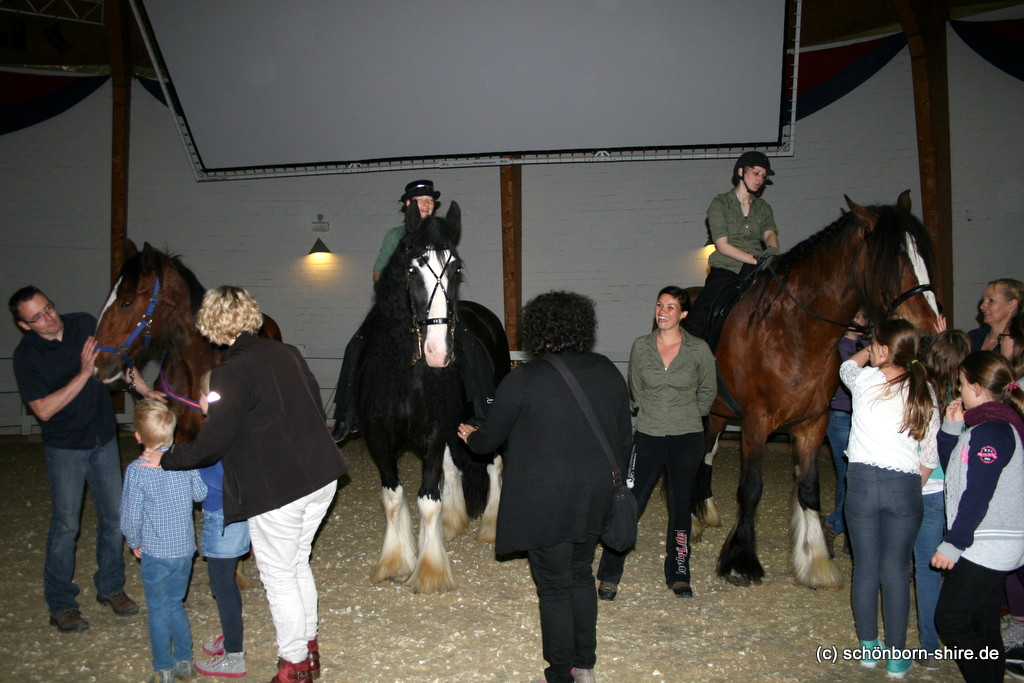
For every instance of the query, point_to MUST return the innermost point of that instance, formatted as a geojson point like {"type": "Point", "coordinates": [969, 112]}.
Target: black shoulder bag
{"type": "Point", "coordinates": [620, 526]}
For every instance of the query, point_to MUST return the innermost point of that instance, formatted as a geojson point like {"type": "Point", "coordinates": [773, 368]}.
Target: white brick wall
{"type": "Point", "coordinates": [988, 158]}
{"type": "Point", "coordinates": [615, 231]}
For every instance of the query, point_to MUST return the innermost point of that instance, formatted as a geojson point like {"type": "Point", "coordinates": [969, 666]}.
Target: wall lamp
{"type": "Point", "coordinates": [320, 225]}
{"type": "Point", "coordinates": [319, 247]}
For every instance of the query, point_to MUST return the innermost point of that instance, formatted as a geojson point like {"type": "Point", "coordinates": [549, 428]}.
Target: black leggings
{"type": "Point", "coordinates": [967, 617]}
{"type": "Point", "coordinates": [229, 601]}
{"type": "Point", "coordinates": [679, 457]}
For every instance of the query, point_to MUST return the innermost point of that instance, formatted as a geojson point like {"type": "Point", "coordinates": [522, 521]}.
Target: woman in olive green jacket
{"type": "Point", "coordinates": [672, 385]}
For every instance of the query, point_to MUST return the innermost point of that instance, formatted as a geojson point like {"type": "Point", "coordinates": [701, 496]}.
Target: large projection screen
{"type": "Point", "coordinates": [266, 83]}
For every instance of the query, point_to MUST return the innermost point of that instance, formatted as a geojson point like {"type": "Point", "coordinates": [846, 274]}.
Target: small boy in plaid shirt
{"type": "Point", "coordinates": [156, 520]}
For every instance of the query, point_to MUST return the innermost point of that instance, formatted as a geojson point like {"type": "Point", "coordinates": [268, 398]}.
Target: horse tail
{"type": "Point", "coordinates": [475, 480]}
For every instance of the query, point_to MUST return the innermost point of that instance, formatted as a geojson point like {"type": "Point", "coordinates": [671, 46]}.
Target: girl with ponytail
{"type": "Point", "coordinates": [892, 453]}
{"type": "Point", "coordinates": [984, 466]}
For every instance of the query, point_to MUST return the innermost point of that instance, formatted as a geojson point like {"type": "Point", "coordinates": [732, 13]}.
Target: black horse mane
{"type": "Point", "coordinates": [884, 244]}
{"type": "Point", "coordinates": [151, 260]}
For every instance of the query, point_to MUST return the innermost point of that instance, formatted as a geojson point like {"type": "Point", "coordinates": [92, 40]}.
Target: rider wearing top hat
{"type": "Point", "coordinates": [477, 373]}
{"type": "Point", "coordinates": [743, 230]}
{"type": "Point", "coordinates": [424, 194]}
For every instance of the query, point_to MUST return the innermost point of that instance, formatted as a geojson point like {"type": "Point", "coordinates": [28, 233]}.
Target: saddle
{"type": "Point", "coordinates": [724, 301]}
{"type": "Point", "coordinates": [719, 310]}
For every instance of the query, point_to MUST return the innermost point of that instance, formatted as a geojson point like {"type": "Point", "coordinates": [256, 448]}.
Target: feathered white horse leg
{"type": "Point", "coordinates": [696, 529]}
{"type": "Point", "coordinates": [810, 555]}
{"type": "Point", "coordinates": [489, 521]}
{"type": "Point", "coordinates": [453, 500]}
{"type": "Point", "coordinates": [433, 572]}
{"type": "Point", "coordinates": [398, 554]}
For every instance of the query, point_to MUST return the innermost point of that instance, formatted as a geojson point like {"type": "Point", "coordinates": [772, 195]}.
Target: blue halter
{"type": "Point", "coordinates": [144, 326]}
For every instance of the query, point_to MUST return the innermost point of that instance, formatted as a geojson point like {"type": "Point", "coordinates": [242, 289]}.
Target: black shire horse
{"type": "Point", "coordinates": [409, 394]}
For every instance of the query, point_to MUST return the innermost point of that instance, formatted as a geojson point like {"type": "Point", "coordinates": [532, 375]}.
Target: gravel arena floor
{"type": "Point", "coordinates": [485, 630]}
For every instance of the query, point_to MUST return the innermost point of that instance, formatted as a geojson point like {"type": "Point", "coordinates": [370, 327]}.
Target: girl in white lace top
{"type": "Point", "coordinates": [892, 452]}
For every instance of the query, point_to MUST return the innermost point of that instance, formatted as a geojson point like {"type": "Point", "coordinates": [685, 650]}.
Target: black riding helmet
{"type": "Point", "coordinates": [753, 159]}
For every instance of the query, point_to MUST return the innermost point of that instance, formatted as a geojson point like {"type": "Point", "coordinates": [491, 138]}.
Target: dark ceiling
{"type": "Point", "coordinates": [60, 41]}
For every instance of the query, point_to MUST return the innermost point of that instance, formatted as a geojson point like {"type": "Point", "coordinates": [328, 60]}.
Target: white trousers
{"type": "Point", "coordinates": [281, 541]}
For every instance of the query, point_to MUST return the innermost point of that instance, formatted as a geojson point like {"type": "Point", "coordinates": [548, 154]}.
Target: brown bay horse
{"type": "Point", "coordinates": [153, 306]}
{"type": "Point", "coordinates": [778, 360]}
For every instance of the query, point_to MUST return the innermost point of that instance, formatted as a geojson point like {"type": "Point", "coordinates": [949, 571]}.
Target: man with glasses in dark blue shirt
{"type": "Point", "coordinates": [54, 365]}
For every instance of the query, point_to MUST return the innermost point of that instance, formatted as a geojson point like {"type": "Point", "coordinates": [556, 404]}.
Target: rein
{"type": "Point", "coordinates": [890, 308]}
{"type": "Point", "coordinates": [144, 326]}
{"type": "Point", "coordinates": [162, 379]}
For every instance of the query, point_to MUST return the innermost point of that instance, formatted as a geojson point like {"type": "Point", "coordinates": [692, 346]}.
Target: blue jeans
{"type": "Point", "coordinates": [68, 470]}
{"type": "Point", "coordinates": [839, 439]}
{"type": "Point", "coordinates": [927, 579]}
{"type": "Point", "coordinates": [568, 606]}
{"type": "Point", "coordinates": [883, 515]}
{"type": "Point", "coordinates": [165, 583]}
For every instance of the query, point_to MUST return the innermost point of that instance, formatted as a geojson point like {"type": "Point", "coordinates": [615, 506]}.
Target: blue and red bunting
{"type": "Point", "coordinates": [825, 76]}
{"type": "Point", "coordinates": [28, 99]}
{"type": "Point", "coordinates": [1000, 43]}
{"type": "Point", "coordinates": [829, 74]}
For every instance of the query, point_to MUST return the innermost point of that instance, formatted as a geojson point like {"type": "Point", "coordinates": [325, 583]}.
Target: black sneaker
{"type": "Point", "coordinates": [1015, 670]}
{"type": "Point", "coordinates": [681, 589]}
{"type": "Point", "coordinates": [341, 430]}
{"type": "Point", "coordinates": [1015, 654]}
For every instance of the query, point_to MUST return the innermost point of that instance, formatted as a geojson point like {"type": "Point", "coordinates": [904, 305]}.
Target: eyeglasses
{"type": "Point", "coordinates": [50, 312]}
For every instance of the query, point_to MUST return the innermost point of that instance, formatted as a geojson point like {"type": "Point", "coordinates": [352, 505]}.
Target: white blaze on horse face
{"type": "Point", "coordinates": [921, 272]}
{"type": "Point", "coordinates": [110, 299]}
{"type": "Point", "coordinates": [435, 280]}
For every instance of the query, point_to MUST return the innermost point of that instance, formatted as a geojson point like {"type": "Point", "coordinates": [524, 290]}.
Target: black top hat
{"type": "Point", "coordinates": [420, 188]}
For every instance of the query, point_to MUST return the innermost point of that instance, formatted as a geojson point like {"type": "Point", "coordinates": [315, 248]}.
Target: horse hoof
{"type": "Point", "coordinates": [737, 579]}
{"type": "Point", "coordinates": [607, 590]}
{"type": "Point", "coordinates": [741, 580]}
{"type": "Point", "coordinates": [391, 580]}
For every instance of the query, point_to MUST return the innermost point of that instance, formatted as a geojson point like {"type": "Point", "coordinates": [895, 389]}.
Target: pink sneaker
{"type": "Point", "coordinates": [214, 646]}
{"type": "Point", "coordinates": [224, 665]}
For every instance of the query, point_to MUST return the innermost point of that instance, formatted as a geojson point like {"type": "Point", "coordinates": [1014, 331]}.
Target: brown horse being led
{"type": "Point", "coordinates": [153, 306]}
{"type": "Point", "coordinates": [778, 359]}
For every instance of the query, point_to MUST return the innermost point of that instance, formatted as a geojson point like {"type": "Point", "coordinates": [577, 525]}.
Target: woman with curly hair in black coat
{"type": "Point", "coordinates": [557, 487]}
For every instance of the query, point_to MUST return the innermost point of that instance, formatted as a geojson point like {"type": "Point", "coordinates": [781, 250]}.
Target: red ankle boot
{"type": "Point", "coordinates": [314, 659]}
{"type": "Point", "coordinates": [289, 672]}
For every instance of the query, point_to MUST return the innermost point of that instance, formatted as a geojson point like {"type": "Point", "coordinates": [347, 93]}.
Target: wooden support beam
{"type": "Point", "coordinates": [119, 43]}
{"type": "Point", "coordinates": [119, 22]}
{"type": "Point", "coordinates": [512, 249]}
{"type": "Point", "coordinates": [924, 23]}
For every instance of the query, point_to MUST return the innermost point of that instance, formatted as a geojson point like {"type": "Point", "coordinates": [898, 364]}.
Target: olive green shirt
{"type": "Point", "coordinates": [388, 246]}
{"type": "Point", "coordinates": [671, 401]}
{"type": "Point", "coordinates": [726, 219]}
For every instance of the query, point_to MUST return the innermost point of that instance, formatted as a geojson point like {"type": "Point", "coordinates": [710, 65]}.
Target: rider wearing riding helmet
{"type": "Point", "coordinates": [743, 230]}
